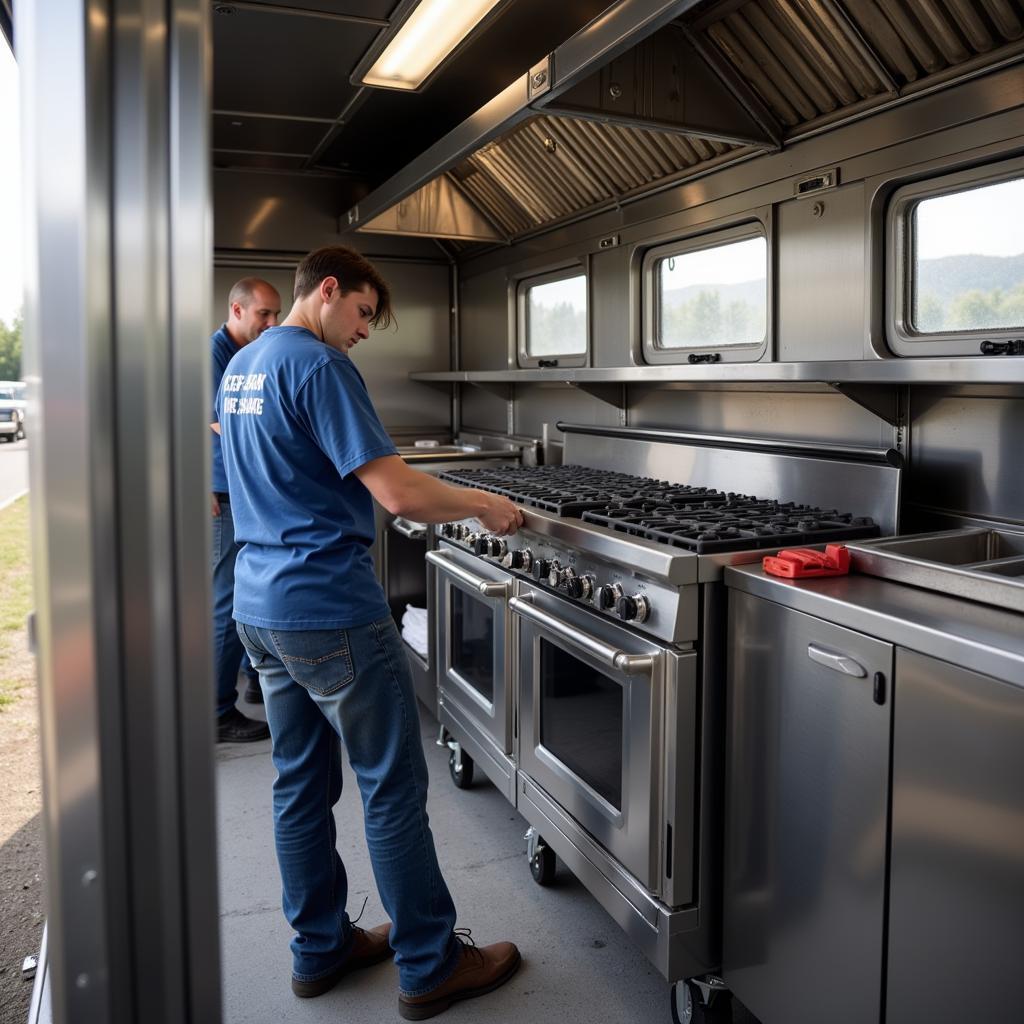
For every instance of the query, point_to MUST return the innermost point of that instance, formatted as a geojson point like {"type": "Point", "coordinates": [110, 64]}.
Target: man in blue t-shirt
{"type": "Point", "coordinates": [253, 306]}
{"type": "Point", "coordinates": [305, 455]}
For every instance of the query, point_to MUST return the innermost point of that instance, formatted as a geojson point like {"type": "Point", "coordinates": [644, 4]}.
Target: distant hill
{"type": "Point", "coordinates": [944, 278]}
{"type": "Point", "coordinates": [749, 292]}
{"type": "Point", "coordinates": [949, 276]}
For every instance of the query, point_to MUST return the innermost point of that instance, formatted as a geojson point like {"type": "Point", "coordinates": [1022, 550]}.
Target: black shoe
{"type": "Point", "coordinates": [253, 692]}
{"type": "Point", "coordinates": [234, 727]}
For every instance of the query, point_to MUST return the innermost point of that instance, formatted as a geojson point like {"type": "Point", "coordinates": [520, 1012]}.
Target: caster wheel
{"type": "Point", "coordinates": [461, 769]}
{"type": "Point", "coordinates": [689, 1007]}
{"type": "Point", "coordinates": [542, 865]}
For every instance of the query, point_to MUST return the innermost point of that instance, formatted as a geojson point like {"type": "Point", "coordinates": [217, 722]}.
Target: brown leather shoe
{"type": "Point", "coordinates": [479, 971]}
{"type": "Point", "coordinates": [368, 948]}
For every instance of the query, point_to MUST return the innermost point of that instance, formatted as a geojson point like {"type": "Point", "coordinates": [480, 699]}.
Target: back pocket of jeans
{"type": "Point", "coordinates": [318, 659]}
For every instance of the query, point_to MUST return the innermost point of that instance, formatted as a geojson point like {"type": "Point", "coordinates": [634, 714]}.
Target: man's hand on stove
{"type": "Point", "coordinates": [498, 514]}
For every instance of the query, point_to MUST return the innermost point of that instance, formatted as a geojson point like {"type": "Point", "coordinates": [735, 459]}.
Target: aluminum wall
{"type": "Point", "coordinates": [264, 222]}
{"type": "Point", "coordinates": [829, 297]}
{"type": "Point", "coordinates": [118, 242]}
{"type": "Point", "coordinates": [419, 340]}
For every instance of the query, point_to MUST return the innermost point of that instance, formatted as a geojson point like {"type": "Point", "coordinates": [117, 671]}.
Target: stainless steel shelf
{"type": "Point", "coordinates": [972, 370]}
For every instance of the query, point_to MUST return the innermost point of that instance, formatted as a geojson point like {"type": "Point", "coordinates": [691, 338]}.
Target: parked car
{"type": "Point", "coordinates": [12, 410]}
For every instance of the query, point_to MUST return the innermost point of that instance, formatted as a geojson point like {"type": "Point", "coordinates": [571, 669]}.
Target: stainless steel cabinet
{"type": "Point", "coordinates": [809, 725]}
{"type": "Point", "coordinates": [956, 912]}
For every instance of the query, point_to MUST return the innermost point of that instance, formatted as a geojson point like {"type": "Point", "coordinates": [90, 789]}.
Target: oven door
{"type": "Point", "coordinates": [591, 720]}
{"type": "Point", "coordinates": [473, 652]}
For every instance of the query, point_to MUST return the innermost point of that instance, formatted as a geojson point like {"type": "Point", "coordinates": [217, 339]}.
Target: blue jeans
{"type": "Point", "coordinates": [228, 654]}
{"type": "Point", "coordinates": [354, 685]}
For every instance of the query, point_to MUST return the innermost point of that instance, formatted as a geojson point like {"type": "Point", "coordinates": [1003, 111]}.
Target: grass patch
{"type": "Point", "coordinates": [15, 599]}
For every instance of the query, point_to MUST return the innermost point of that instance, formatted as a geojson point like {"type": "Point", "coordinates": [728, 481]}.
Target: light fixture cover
{"type": "Point", "coordinates": [433, 30]}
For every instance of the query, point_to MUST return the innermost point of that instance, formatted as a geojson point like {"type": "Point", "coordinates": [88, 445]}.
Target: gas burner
{"type": "Point", "coordinates": [697, 519]}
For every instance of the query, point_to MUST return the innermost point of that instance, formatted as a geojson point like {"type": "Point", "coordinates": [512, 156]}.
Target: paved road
{"type": "Point", "coordinates": [13, 469]}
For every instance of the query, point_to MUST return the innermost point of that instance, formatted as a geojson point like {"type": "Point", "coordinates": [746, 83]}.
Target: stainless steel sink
{"type": "Point", "coordinates": [974, 564]}
{"type": "Point", "coordinates": [455, 453]}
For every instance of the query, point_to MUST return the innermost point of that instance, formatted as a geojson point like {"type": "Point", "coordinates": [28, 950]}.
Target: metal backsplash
{"type": "Point", "coordinates": [865, 488]}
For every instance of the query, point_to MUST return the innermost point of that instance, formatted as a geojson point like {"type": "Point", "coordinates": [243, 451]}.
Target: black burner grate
{"type": "Point", "coordinates": [698, 519]}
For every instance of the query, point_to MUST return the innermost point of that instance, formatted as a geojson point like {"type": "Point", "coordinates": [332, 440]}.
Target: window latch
{"type": "Point", "coordinates": [705, 357]}
{"type": "Point", "coordinates": [547, 362]}
{"type": "Point", "coordinates": [1014, 347]}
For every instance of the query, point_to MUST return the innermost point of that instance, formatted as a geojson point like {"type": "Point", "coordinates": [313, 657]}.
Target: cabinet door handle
{"type": "Point", "coordinates": [836, 662]}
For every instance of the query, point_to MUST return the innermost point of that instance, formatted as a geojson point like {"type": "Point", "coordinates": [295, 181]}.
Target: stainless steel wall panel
{"type": "Point", "coordinates": [539, 406]}
{"type": "Point", "coordinates": [822, 284]}
{"type": "Point", "coordinates": [484, 330]}
{"type": "Point", "coordinates": [484, 410]}
{"type": "Point", "coordinates": [780, 416]}
{"type": "Point", "coordinates": [64, 79]}
{"type": "Point", "coordinates": [418, 341]}
{"type": "Point", "coordinates": [963, 454]}
{"type": "Point", "coordinates": [614, 308]}
{"type": "Point", "coordinates": [118, 212]}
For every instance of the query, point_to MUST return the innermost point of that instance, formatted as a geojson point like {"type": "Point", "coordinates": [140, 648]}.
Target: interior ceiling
{"type": "Point", "coordinates": [804, 63]}
{"type": "Point", "coordinates": [283, 100]}
{"type": "Point", "coordinates": [282, 97]}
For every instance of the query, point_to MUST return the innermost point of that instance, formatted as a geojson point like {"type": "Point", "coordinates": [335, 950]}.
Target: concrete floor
{"type": "Point", "coordinates": [578, 965]}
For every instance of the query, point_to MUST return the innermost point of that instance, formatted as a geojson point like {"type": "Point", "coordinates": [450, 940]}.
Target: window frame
{"type": "Point", "coordinates": [522, 286]}
{"type": "Point", "coordinates": [903, 339]}
{"type": "Point", "coordinates": [653, 351]}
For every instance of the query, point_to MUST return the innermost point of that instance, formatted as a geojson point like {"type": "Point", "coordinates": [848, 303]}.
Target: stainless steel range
{"type": "Point", "coordinates": [582, 669]}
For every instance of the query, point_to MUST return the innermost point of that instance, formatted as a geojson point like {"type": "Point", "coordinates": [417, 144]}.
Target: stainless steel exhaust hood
{"type": "Point", "coordinates": [628, 100]}
{"type": "Point", "coordinates": [651, 92]}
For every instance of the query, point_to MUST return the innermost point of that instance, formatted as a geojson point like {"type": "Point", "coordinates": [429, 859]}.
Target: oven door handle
{"type": "Point", "coordinates": [407, 528]}
{"type": "Point", "coordinates": [486, 587]}
{"type": "Point", "coordinates": [631, 664]}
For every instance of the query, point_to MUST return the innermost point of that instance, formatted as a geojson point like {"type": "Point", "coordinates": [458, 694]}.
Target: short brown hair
{"type": "Point", "coordinates": [352, 272]}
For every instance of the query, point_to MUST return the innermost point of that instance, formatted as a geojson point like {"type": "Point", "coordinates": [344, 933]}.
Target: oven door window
{"type": "Point", "coordinates": [472, 638]}
{"type": "Point", "coordinates": [581, 716]}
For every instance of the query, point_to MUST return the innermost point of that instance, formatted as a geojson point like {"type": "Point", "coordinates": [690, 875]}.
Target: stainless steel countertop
{"type": "Point", "coordinates": [975, 636]}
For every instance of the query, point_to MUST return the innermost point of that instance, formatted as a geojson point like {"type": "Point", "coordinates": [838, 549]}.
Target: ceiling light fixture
{"type": "Point", "coordinates": [429, 35]}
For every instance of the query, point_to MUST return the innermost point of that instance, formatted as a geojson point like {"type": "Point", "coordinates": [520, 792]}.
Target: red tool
{"type": "Point", "coordinates": [801, 563]}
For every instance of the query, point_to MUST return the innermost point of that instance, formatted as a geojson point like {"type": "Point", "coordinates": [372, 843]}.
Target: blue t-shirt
{"type": "Point", "coordinates": [296, 420]}
{"type": "Point", "coordinates": [222, 349]}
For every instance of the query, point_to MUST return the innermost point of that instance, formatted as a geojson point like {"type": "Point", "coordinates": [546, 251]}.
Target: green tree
{"type": "Point", "coordinates": [930, 315]}
{"type": "Point", "coordinates": [10, 349]}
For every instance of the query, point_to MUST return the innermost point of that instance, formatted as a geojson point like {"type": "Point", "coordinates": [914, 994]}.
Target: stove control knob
{"type": "Point", "coordinates": [555, 573]}
{"type": "Point", "coordinates": [447, 529]}
{"type": "Point", "coordinates": [520, 558]}
{"type": "Point", "coordinates": [607, 595]}
{"type": "Point", "coordinates": [461, 531]}
{"type": "Point", "coordinates": [632, 609]}
{"type": "Point", "coordinates": [580, 587]}
{"type": "Point", "coordinates": [480, 543]}
{"type": "Point", "coordinates": [541, 568]}
{"type": "Point", "coordinates": [496, 547]}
